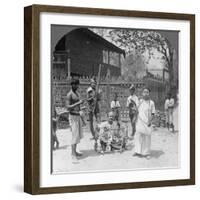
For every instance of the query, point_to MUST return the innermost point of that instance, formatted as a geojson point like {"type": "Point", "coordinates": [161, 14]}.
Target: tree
{"type": "Point", "coordinates": [134, 66]}
{"type": "Point", "coordinates": [145, 42]}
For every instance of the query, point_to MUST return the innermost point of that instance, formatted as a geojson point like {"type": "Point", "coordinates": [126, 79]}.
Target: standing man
{"type": "Point", "coordinates": [169, 109]}
{"type": "Point", "coordinates": [73, 105]}
{"type": "Point", "coordinates": [93, 98]}
{"type": "Point", "coordinates": [146, 111]}
{"type": "Point", "coordinates": [132, 104]}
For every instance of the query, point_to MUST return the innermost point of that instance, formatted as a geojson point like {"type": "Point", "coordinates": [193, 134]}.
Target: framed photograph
{"type": "Point", "coordinates": [109, 99]}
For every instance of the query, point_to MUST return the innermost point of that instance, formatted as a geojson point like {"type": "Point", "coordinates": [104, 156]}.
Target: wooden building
{"type": "Point", "coordinates": [80, 52]}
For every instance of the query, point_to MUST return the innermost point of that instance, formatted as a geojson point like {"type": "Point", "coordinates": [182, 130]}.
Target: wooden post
{"type": "Point", "coordinates": [108, 57]}
{"type": "Point", "coordinates": [120, 64]}
{"type": "Point", "coordinates": [163, 75]}
{"type": "Point", "coordinates": [108, 93]}
{"type": "Point", "coordinates": [68, 64]}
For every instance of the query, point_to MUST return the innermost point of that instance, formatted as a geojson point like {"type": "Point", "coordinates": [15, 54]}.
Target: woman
{"type": "Point", "coordinates": [146, 111]}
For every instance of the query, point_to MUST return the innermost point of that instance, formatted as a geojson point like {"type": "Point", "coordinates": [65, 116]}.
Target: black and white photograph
{"type": "Point", "coordinates": [114, 99]}
{"type": "Point", "coordinates": [109, 99]}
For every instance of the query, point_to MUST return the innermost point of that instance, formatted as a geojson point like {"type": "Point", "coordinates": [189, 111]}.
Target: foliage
{"type": "Point", "coordinates": [147, 43]}
{"type": "Point", "coordinates": [143, 41]}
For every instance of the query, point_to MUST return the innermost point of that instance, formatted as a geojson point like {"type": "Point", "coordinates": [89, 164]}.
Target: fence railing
{"type": "Point", "coordinates": [115, 79]}
{"type": "Point", "coordinates": [109, 88]}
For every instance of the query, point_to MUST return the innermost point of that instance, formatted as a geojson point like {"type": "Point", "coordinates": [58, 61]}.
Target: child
{"type": "Point", "coordinates": [115, 106]}
{"type": "Point", "coordinates": [132, 103]}
{"type": "Point", "coordinates": [54, 129]}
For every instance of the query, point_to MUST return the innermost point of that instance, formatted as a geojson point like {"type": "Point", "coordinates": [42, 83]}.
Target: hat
{"type": "Point", "coordinates": [93, 81]}
{"type": "Point", "coordinates": [132, 87]}
{"type": "Point", "coordinates": [147, 88]}
{"type": "Point", "coordinates": [75, 81]}
{"type": "Point", "coordinates": [89, 90]}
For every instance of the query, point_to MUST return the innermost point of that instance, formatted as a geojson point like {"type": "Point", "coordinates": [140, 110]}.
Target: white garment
{"type": "Point", "coordinates": [76, 128]}
{"type": "Point", "coordinates": [132, 98]}
{"type": "Point", "coordinates": [145, 109]}
{"type": "Point", "coordinates": [169, 108]}
{"type": "Point", "coordinates": [90, 89]}
{"type": "Point", "coordinates": [169, 103]}
{"type": "Point", "coordinates": [142, 144]}
{"type": "Point", "coordinates": [115, 104]}
{"type": "Point", "coordinates": [143, 131]}
{"type": "Point", "coordinates": [166, 104]}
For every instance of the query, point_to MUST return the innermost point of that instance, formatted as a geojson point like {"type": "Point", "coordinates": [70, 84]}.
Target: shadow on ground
{"type": "Point", "coordinates": [63, 147]}
{"type": "Point", "coordinates": [156, 153]}
{"type": "Point", "coordinates": [88, 153]}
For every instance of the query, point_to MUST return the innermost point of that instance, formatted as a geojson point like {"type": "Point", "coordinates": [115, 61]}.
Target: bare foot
{"type": "Point", "coordinates": [79, 154]}
{"type": "Point", "coordinates": [148, 157]}
{"type": "Point", "coordinates": [74, 159]}
{"type": "Point", "coordinates": [135, 154]}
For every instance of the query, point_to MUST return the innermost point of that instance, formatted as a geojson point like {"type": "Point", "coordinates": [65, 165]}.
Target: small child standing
{"type": "Point", "coordinates": [115, 107]}
{"type": "Point", "coordinates": [132, 104]}
{"type": "Point", "coordinates": [169, 109]}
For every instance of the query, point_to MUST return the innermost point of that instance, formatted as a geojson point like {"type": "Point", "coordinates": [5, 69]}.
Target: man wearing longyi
{"type": "Point", "coordinates": [73, 105]}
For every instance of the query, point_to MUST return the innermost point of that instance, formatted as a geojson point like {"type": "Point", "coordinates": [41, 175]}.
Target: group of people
{"type": "Point", "coordinates": [76, 115]}
{"type": "Point", "coordinates": [141, 113]}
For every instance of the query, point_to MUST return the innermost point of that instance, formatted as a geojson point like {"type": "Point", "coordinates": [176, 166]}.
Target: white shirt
{"type": "Point", "coordinates": [166, 104]}
{"type": "Point", "coordinates": [133, 98]}
{"type": "Point", "coordinates": [90, 89]}
{"type": "Point", "coordinates": [115, 104]}
{"type": "Point", "coordinates": [145, 110]}
{"type": "Point", "coordinates": [169, 103]}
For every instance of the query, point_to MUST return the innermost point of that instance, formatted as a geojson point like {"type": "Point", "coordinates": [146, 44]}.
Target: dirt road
{"type": "Point", "coordinates": [164, 153]}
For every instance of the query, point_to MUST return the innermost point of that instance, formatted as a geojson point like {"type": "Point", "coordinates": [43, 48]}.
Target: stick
{"type": "Point", "coordinates": [97, 87]}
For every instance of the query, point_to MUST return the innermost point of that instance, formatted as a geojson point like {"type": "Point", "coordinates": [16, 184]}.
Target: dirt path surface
{"type": "Point", "coordinates": [164, 153]}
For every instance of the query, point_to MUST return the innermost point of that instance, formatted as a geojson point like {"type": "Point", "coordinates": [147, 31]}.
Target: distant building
{"type": "Point", "coordinates": [80, 52]}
